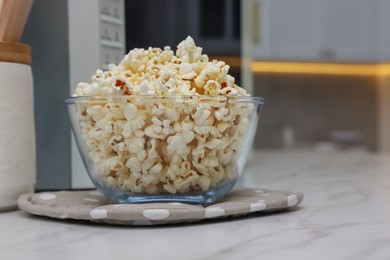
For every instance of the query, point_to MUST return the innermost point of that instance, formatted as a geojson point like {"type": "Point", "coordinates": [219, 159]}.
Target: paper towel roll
{"type": "Point", "coordinates": [17, 134]}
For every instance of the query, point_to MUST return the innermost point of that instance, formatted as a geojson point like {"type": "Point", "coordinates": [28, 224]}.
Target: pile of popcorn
{"type": "Point", "coordinates": [169, 123]}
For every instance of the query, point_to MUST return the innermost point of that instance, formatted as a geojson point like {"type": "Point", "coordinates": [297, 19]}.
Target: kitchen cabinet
{"type": "Point", "coordinates": [256, 30]}
{"type": "Point", "coordinates": [296, 33]}
{"type": "Point", "coordinates": [346, 30]}
{"type": "Point", "coordinates": [382, 29]}
{"type": "Point", "coordinates": [331, 30]}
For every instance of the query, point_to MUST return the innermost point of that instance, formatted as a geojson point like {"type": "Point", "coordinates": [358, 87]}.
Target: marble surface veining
{"type": "Point", "coordinates": [345, 215]}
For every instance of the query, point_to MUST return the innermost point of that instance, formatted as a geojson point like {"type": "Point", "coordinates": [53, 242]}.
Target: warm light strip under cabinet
{"type": "Point", "coordinates": [321, 68]}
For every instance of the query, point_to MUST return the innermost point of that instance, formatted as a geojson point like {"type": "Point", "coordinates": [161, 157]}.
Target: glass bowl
{"type": "Point", "coordinates": [189, 149]}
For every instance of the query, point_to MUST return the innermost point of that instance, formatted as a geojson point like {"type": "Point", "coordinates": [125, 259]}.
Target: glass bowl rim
{"type": "Point", "coordinates": [177, 98]}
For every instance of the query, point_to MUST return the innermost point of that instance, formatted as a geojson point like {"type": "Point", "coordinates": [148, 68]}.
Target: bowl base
{"type": "Point", "coordinates": [202, 197]}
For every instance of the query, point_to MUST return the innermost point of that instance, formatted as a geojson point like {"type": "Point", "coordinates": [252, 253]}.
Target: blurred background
{"type": "Point", "coordinates": [321, 65]}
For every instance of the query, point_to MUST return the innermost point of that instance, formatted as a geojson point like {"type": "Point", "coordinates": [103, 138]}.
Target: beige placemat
{"type": "Point", "coordinates": [93, 206]}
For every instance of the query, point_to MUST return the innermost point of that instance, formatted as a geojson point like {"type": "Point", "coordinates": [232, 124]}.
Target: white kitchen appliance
{"type": "Point", "coordinates": [70, 40]}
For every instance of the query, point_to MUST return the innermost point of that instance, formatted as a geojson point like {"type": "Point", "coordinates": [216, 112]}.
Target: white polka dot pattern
{"type": "Point", "coordinates": [47, 196]}
{"type": "Point", "coordinates": [98, 214]}
{"type": "Point", "coordinates": [258, 206]}
{"type": "Point", "coordinates": [292, 200]}
{"type": "Point", "coordinates": [156, 214]}
{"type": "Point", "coordinates": [214, 212]}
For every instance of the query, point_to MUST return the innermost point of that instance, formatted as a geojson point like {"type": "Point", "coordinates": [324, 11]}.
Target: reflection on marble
{"type": "Point", "coordinates": [345, 215]}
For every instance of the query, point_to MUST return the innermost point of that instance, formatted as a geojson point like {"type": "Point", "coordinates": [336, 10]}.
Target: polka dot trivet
{"type": "Point", "coordinates": [92, 206]}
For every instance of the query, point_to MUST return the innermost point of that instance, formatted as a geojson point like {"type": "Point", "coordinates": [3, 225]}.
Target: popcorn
{"type": "Point", "coordinates": [134, 164]}
{"type": "Point", "coordinates": [131, 112]}
{"type": "Point", "coordinates": [212, 88]}
{"type": "Point", "coordinates": [170, 123]}
{"type": "Point", "coordinates": [177, 145]}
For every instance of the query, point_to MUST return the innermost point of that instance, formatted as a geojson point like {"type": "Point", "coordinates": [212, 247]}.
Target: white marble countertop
{"type": "Point", "coordinates": [345, 215]}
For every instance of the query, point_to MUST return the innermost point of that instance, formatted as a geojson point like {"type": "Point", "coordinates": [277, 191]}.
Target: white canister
{"type": "Point", "coordinates": [17, 133]}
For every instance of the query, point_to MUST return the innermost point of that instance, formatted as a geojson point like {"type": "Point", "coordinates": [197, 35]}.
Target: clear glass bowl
{"type": "Point", "coordinates": [189, 149]}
